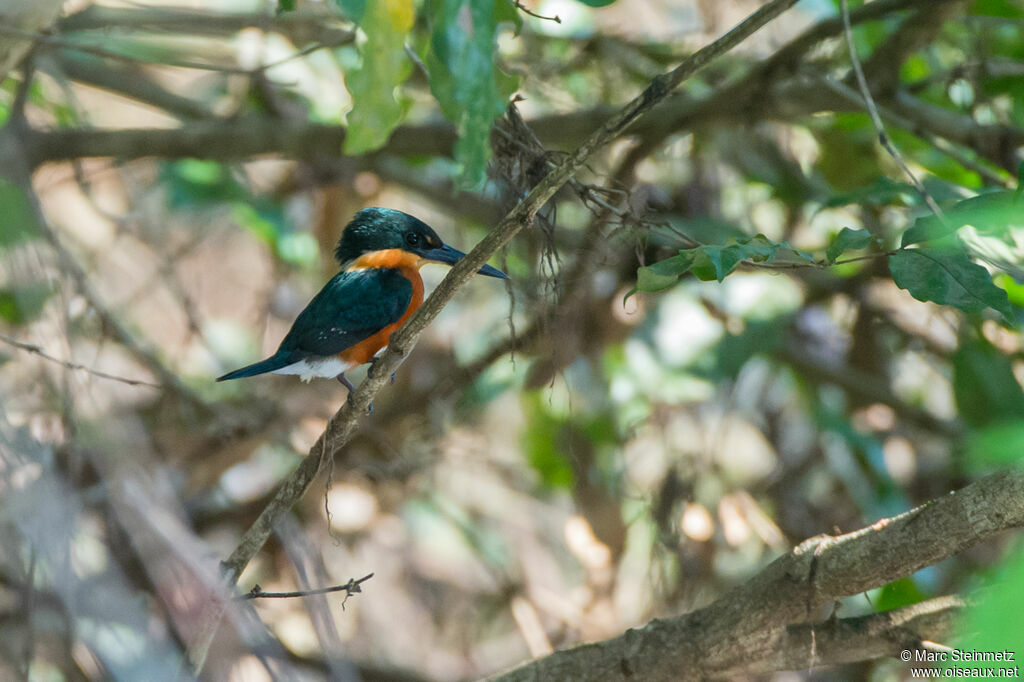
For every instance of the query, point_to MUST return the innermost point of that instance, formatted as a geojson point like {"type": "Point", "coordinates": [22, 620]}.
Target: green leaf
{"type": "Point", "coordinates": [897, 594]}
{"type": "Point", "coordinates": [375, 109]}
{"type": "Point", "coordinates": [997, 8]}
{"type": "Point", "coordinates": [882, 192]}
{"type": "Point", "coordinates": [984, 385]}
{"type": "Point", "coordinates": [21, 304]}
{"type": "Point", "coordinates": [285, 6]}
{"type": "Point", "coordinates": [192, 183]}
{"type": "Point", "coordinates": [716, 261]}
{"type": "Point", "coordinates": [19, 221]}
{"type": "Point", "coordinates": [995, 446]}
{"type": "Point", "coordinates": [848, 239]}
{"type": "Point", "coordinates": [542, 437]}
{"type": "Point", "coordinates": [464, 77]}
{"type": "Point", "coordinates": [989, 213]}
{"type": "Point", "coordinates": [948, 277]}
{"type": "Point", "coordinates": [992, 622]}
{"type": "Point", "coordinates": [267, 226]}
{"type": "Point", "coordinates": [596, 3]}
{"type": "Point", "coordinates": [664, 273]}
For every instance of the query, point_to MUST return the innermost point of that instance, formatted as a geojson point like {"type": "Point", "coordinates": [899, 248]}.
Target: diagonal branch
{"type": "Point", "coordinates": [763, 625]}
{"type": "Point", "coordinates": [343, 424]}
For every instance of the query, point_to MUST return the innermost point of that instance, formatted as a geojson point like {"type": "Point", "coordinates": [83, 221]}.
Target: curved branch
{"type": "Point", "coordinates": [761, 625]}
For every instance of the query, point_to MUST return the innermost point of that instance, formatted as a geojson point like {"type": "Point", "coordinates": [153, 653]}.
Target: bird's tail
{"type": "Point", "coordinates": [274, 362]}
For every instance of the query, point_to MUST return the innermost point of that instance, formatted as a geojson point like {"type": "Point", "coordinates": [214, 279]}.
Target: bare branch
{"type": "Point", "coordinates": [350, 588]}
{"type": "Point", "coordinates": [342, 425]}
{"type": "Point", "coordinates": [876, 119]}
{"type": "Point", "coordinates": [217, 140]}
{"type": "Point", "coordinates": [36, 350]}
{"type": "Point", "coordinates": [762, 625]}
{"type": "Point", "coordinates": [308, 25]}
{"type": "Point", "coordinates": [526, 10]}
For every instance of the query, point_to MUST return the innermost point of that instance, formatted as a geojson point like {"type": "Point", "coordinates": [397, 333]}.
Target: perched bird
{"type": "Point", "coordinates": [378, 288]}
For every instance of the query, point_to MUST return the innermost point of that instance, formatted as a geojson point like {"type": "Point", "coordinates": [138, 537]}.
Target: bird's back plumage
{"type": "Point", "coordinates": [352, 307]}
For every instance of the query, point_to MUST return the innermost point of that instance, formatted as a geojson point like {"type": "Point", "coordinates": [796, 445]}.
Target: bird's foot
{"type": "Point", "coordinates": [351, 389]}
{"type": "Point", "coordinates": [346, 383]}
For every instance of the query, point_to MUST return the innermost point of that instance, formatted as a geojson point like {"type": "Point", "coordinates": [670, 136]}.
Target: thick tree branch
{"type": "Point", "coordinates": [851, 640]}
{"type": "Point", "coordinates": [128, 81]}
{"type": "Point", "coordinates": [751, 629]}
{"type": "Point", "coordinates": [308, 25]}
{"type": "Point", "coordinates": [216, 140]}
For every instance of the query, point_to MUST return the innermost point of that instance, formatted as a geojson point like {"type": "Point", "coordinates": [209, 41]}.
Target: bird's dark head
{"type": "Point", "coordinates": [380, 229]}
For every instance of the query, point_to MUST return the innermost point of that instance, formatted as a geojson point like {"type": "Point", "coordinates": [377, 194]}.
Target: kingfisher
{"type": "Point", "coordinates": [352, 318]}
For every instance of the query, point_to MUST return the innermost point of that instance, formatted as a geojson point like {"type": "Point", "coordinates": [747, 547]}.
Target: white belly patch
{"type": "Point", "coordinates": [325, 367]}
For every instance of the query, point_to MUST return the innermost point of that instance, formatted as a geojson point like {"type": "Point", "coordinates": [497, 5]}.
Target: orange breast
{"type": "Point", "coordinates": [408, 264]}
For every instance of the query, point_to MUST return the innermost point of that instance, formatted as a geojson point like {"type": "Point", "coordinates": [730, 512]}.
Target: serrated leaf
{"type": "Point", "coordinates": [948, 277]}
{"type": "Point", "coordinates": [989, 213]}
{"type": "Point", "coordinates": [464, 77]}
{"type": "Point", "coordinates": [848, 239]}
{"type": "Point", "coordinates": [664, 273]}
{"type": "Point", "coordinates": [376, 110]}
{"type": "Point", "coordinates": [18, 221]}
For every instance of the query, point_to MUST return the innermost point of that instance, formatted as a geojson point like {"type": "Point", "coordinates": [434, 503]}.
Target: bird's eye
{"type": "Point", "coordinates": [412, 239]}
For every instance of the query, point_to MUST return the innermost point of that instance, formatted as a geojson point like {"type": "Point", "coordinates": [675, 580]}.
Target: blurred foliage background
{"type": "Point", "coordinates": [560, 459]}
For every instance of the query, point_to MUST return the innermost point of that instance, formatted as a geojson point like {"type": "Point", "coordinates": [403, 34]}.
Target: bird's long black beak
{"type": "Point", "coordinates": [449, 256]}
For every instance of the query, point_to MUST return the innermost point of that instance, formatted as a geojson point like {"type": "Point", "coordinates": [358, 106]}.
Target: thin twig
{"type": "Point", "coordinates": [67, 364]}
{"type": "Point", "coordinates": [526, 10]}
{"type": "Point", "coordinates": [948, 148]}
{"type": "Point", "coordinates": [353, 586]}
{"type": "Point", "coordinates": [876, 119]}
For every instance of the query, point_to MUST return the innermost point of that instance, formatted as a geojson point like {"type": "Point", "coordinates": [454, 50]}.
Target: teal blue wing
{"type": "Point", "coordinates": [351, 307]}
